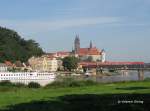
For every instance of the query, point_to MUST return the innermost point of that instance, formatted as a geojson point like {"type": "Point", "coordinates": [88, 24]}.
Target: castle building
{"type": "Point", "coordinates": [88, 54]}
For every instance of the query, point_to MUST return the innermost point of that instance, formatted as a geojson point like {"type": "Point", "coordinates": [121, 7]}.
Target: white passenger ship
{"type": "Point", "coordinates": [42, 78]}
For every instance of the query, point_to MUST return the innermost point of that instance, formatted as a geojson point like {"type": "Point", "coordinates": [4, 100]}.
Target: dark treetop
{"type": "Point", "coordinates": [13, 47]}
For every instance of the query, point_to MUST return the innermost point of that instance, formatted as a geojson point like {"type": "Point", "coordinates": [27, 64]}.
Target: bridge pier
{"type": "Point", "coordinates": [140, 74]}
{"type": "Point", "coordinates": [124, 72]}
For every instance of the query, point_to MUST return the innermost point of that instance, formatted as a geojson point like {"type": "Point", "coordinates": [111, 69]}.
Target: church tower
{"type": "Point", "coordinates": [91, 45]}
{"type": "Point", "coordinates": [77, 44]}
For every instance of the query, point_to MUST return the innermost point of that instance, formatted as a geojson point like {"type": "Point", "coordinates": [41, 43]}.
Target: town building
{"type": "Point", "coordinates": [59, 54]}
{"type": "Point", "coordinates": [90, 53]}
{"type": "Point", "coordinates": [44, 63]}
{"type": "Point", "coordinates": [3, 67]}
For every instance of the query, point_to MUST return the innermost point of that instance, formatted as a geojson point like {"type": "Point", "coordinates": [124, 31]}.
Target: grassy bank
{"type": "Point", "coordinates": [96, 96]}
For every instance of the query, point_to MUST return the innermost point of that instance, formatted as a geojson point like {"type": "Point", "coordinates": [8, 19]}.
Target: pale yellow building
{"type": "Point", "coordinates": [43, 63]}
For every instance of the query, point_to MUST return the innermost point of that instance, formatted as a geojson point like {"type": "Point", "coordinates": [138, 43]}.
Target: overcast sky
{"type": "Point", "coordinates": [121, 27]}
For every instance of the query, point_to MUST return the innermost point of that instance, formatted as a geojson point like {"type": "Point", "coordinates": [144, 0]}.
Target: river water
{"type": "Point", "coordinates": [129, 76]}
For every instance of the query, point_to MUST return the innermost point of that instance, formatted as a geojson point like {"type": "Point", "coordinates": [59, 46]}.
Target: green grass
{"type": "Point", "coordinates": [13, 98]}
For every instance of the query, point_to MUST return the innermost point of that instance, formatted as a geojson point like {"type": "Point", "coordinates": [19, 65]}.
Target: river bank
{"type": "Point", "coordinates": [105, 96]}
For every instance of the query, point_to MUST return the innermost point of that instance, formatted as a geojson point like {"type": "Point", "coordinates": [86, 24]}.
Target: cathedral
{"type": "Point", "coordinates": [90, 53]}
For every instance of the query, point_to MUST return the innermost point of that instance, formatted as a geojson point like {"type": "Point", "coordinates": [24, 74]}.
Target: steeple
{"type": "Point", "coordinates": [91, 45]}
{"type": "Point", "coordinates": [77, 43]}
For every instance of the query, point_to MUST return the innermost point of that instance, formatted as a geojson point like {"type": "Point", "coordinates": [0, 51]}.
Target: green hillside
{"type": "Point", "coordinates": [13, 47]}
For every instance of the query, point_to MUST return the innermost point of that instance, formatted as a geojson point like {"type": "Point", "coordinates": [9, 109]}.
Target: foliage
{"type": "Point", "coordinates": [9, 84]}
{"type": "Point", "coordinates": [20, 85]}
{"type": "Point", "coordinates": [70, 82]}
{"type": "Point", "coordinates": [70, 63]}
{"type": "Point", "coordinates": [13, 47]}
{"type": "Point", "coordinates": [147, 79]}
{"type": "Point", "coordinates": [6, 83]}
{"type": "Point", "coordinates": [34, 85]}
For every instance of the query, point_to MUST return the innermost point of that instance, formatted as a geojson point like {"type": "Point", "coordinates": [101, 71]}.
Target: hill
{"type": "Point", "coordinates": [13, 47]}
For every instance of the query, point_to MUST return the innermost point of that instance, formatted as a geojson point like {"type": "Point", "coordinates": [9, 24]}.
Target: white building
{"type": "Point", "coordinates": [3, 67]}
{"type": "Point", "coordinates": [103, 56]}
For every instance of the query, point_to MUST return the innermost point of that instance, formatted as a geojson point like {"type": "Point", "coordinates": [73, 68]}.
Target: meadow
{"type": "Point", "coordinates": [77, 97]}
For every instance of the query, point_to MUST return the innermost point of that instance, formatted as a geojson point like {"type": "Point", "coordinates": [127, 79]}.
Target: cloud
{"type": "Point", "coordinates": [40, 25]}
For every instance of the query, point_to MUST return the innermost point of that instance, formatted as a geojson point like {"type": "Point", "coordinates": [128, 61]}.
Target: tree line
{"type": "Point", "coordinates": [15, 48]}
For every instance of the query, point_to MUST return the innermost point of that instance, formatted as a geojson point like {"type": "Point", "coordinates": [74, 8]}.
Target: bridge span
{"type": "Point", "coordinates": [140, 67]}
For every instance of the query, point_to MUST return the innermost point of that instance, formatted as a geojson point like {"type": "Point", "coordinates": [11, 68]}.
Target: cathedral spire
{"type": "Point", "coordinates": [91, 45]}
{"type": "Point", "coordinates": [77, 43]}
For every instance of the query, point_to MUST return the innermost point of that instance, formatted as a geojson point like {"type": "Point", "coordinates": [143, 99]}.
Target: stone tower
{"type": "Point", "coordinates": [91, 45]}
{"type": "Point", "coordinates": [77, 44]}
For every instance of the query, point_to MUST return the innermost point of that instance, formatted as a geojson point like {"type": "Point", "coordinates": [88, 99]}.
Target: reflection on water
{"type": "Point", "coordinates": [128, 76]}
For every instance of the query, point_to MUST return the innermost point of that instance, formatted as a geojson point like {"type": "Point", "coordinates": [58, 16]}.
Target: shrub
{"type": "Point", "coordinates": [70, 82]}
{"type": "Point", "coordinates": [6, 83]}
{"type": "Point", "coordinates": [90, 82]}
{"type": "Point", "coordinates": [147, 79]}
{"type": "Point", "coordinates": [10, 84]}
{"type": "Point", "coordinates": [19, 85]}
{"type": "Point", "coordinates": [34, 85]}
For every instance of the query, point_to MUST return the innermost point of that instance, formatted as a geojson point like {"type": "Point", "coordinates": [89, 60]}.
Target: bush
{"type": "Point", "coordinates": [10, 84]}
{"type": "Point", "coordinates": [70, 82]}
{"type": "Point", "coordinates": [147, 79]}
{"type": "Point", "coordinates": [90, 82]}
{"type": "Point", "coordinates": [34, 85]}
{"type": "Point", "coordinates": [19, 85]}
{"type": "Point", "coordinates": [6, 83]}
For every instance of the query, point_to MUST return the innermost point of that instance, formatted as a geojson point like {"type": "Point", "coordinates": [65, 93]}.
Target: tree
{"type": "Point", "coordinates": [70, 63]}
{"type": "Point", "coordinates": [14, 48]}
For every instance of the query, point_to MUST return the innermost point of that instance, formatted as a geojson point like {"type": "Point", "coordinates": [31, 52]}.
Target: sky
{"type": "Point", "coordinates": [121, 27]}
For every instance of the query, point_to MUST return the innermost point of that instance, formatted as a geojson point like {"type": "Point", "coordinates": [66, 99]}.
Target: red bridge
{"type": "Point", "coordinates": [138, 66]}
{"type": "Point", "coordinates": [112, 64]}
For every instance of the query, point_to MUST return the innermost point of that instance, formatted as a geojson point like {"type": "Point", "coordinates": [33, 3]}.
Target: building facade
{"type": "Point", "coordinates": [88, 54]}
{"type": "Point", "coordinates": [3, 67]}
{"type": "Point", "coordinates": [43, 64]}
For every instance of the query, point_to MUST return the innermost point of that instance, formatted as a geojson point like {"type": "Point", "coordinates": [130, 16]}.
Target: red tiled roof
{"type": "Point", "coordinates": [8, 63]}
{"type": "Point", "coordinates": [51, 56]}
{"type": "Point", "coordinates": [89, 51]}
{"type": "Point", "coordinates": [62, 53]}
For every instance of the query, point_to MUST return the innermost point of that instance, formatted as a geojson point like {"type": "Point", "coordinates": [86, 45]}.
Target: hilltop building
{"type": "Point", "coordinates": [90, 54]}
{"type": "Point", "coordinates": [77, 44]}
